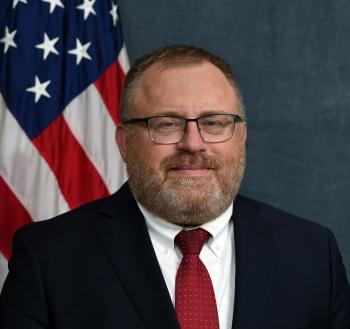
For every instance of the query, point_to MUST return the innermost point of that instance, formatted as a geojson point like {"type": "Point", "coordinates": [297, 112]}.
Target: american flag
{"type": "Point", "coordinates": [62, 66]}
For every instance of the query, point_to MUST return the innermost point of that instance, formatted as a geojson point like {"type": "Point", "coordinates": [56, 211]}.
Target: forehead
{"type": "Point", "coordinates": [198, 89]}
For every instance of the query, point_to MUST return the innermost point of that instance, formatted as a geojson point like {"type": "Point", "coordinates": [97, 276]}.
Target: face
{"type": "Point", "coordinates": [192, 182]}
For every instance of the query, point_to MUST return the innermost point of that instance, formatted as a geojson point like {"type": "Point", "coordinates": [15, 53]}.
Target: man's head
{"type": "Point", "coordinates": [185, 172]}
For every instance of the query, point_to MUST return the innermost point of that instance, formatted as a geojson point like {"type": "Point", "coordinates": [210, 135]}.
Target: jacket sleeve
{"type": "Point", "coordinates": [340, 290]}
{"type": "Point", "coordinates": [22, 300]}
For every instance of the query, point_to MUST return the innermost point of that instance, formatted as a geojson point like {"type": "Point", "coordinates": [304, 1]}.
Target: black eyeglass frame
{"type": "Point", "coordinates": [236, 118]}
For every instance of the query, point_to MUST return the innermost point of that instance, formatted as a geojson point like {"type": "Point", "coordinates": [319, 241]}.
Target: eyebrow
{"type": "Point", "coordinates": [204, 113]}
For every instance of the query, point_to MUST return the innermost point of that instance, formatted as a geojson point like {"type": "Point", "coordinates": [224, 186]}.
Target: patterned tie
{"type": "Point", "coordinates": [195, 303]}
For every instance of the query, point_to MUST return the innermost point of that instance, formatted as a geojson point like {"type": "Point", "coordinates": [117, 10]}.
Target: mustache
{"type": "Point", "coordinates": [199, 160]}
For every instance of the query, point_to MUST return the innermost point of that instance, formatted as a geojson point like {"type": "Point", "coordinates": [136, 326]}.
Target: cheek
{"type": "Point", "coordinates": [222, 150]}
{"type": "Point", "coordinates": [228, 151]}
{"type": "Point", "coordinates": [157, 153]}
{"type": "Point", "coordinates": [150, 153]}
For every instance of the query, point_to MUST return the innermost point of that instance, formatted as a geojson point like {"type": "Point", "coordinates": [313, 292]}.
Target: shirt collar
{"type": "Point", "coordinates": [163, 233]}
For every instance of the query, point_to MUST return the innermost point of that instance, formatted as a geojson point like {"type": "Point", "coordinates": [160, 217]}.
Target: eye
{"type": "Point", "coordinates": [213, 123]}
{"type": "Point", "coordinates": [166, 124]}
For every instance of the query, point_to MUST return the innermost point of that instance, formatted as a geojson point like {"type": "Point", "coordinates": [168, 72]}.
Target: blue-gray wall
{"type": "Point", "coordinates": [292, 59]}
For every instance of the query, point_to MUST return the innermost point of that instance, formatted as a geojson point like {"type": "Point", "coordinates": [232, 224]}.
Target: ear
{"type": "Point", "coordinates": [121, 139]}
{"type": "Point", "coordinates": [244, 132]}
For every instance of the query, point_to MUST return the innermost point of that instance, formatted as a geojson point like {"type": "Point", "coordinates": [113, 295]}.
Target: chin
{"type": "Point", "coordinates": [185, 182]}
{"type": "Point", "coordinates": [192, 191]}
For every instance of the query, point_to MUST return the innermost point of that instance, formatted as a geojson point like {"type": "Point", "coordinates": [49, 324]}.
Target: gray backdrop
{"type": "Point", "coordinates": [292, 59]}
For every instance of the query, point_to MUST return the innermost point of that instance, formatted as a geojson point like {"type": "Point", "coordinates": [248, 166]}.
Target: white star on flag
{"type": "Point", "coordinates": [39, 89]}
{"type": "Point", "coordinates": [114, 13]}
{"type": "Point", "coordinates": [80, 51]}
{"type": "Point", "coordinates": [15, 2]}
{"type": "Point", "coordinates": [53, 4]}
{"type": "Point", "coordinates": [88, 8]}
{"type": "Point", "coordinates": [48, 46]}
{"type": "Point", "coordinates": [7, 40]}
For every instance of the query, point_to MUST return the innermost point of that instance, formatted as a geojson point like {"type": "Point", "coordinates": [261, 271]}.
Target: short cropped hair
{"type": "Point", "coordinates": [172, 57]}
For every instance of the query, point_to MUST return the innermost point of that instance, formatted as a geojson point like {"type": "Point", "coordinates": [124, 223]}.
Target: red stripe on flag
{"type": "Point", "coordinates": [13, 216]}
{"type": "Point", "coordinates": [76, 175]}
{"type": "Point", "coordinates": [109, 85]}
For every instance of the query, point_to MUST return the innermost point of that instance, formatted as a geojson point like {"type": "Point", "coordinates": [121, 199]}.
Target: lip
{"type": "Point", "coordinates": [191, 171]}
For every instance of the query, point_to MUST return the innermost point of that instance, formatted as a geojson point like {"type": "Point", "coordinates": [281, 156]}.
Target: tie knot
{"type": "Point", "coordinates": [191, 241]}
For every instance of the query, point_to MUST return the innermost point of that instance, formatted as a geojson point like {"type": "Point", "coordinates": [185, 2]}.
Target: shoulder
{"type": "Point", "coordinates": [286, 229]}
{"type": "Point", "coordinates": [298, 245]}
{"type": "Point", "coordinates": [307, 270]}
{"type": "Point", "coordinates": [77, 222]}
{"type": "Point", "coordinates": [274, 217]}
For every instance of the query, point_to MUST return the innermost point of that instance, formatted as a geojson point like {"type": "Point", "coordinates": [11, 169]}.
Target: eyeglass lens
{"type": "Point", "coordinates": [212, 128]}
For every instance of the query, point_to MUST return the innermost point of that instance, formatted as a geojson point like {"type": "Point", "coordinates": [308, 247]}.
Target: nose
{"type": "Point", "coordinates": [192, 141]}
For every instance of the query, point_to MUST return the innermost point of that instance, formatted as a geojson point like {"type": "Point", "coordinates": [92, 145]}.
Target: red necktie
{"type": "Point", "coordinates": [195, 303]}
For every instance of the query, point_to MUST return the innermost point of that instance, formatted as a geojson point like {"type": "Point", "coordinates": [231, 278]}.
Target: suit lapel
{"type": "Point", "coordinates": [254, 260]}
{"type": "Point", "coordinates": [127, 244]}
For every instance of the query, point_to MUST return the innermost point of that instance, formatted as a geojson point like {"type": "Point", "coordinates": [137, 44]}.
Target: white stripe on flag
{"type": "Point", "coordinates": [26, 172]}
{"type": "Point", "coordinates": [3, 269]}
{"type": "Point", "coordinates": [124, 60]}
{"type": "Point", "coordinates": [92, 126]}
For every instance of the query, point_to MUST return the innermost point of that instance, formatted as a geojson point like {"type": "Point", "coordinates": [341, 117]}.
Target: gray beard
{"type": "Point", "coordinates": [186, 201]}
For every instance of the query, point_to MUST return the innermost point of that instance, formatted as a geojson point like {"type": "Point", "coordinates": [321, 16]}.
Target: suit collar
{"type": "Point", "coordinates": [254, 264]}
{"type": "Point", "coordinates": [127, 245]}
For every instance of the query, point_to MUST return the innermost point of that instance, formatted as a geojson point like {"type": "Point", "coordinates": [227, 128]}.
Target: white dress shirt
{"type": "Point", "coordinates": [217, 255]}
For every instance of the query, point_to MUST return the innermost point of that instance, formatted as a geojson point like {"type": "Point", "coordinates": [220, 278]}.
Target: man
{"type": "Point", "coordinates": [129, 260]}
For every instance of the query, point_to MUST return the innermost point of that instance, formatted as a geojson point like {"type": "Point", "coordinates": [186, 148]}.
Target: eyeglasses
{"type": "Point", "coordinates": [214, 128]}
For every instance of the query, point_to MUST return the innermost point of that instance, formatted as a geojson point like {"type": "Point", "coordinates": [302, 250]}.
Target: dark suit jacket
{"type": "Point", "coordinates": [95, 267]}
